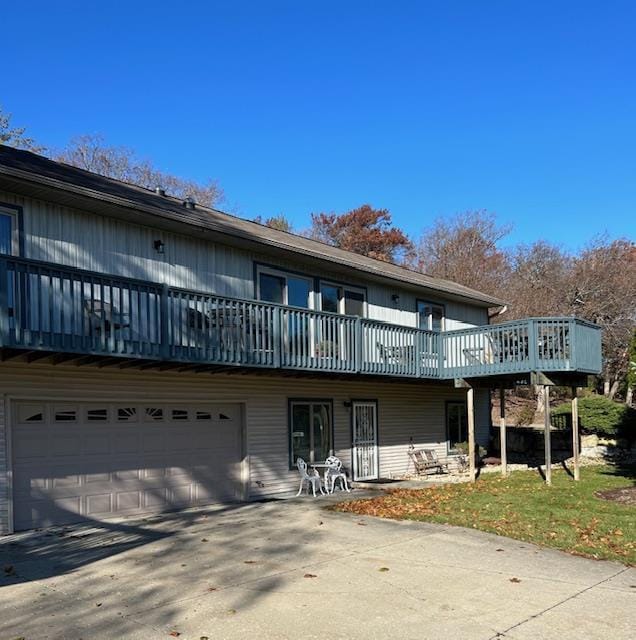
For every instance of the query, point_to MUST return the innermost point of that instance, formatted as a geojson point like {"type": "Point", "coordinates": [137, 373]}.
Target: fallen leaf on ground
{"type": "Point", "coordinates": [310, 575]}
{"type": "Point", "coordinates": [175, 634]}
{"type": "Point", "coordinates": [249, 561]}
{"type": "Point", "coordinates": [515, 580]}
{"type": "Point", "coordinates": [211, 588]}
{"type": "Point", "coordinates": [498, 549]}
{"type": "Point", "coordinates": [383, 569]}
{"type": "Point", "coordinates": [204, 539]}
{"type": "Point", "coordinates": [98, 604]}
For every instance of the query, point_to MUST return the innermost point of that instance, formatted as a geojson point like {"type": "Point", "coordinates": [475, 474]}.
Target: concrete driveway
{"type": "Point", "coordinates": [288, 569]}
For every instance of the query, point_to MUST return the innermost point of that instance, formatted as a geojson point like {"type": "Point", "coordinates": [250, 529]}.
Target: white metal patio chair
{"type": "Point", "coordinates": [310, 479]}
{"type": "Point", "coordinates": [335, 472]}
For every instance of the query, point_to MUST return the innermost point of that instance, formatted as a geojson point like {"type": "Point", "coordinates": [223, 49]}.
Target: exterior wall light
{"type": "Point", "coordinates": [396, 298]}
{"type": "Point", "coordinates": [159, 246]}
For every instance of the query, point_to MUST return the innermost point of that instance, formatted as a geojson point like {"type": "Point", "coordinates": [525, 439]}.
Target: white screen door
{"type": "Point", "coordinates": [365, 441]}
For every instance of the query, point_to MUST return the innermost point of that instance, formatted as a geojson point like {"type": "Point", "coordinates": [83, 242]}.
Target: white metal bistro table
{"type": "Point", "coordinates": [326, 467]}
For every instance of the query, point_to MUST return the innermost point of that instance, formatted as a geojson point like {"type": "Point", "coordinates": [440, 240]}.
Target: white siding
{"type": "Point", "coordinates": [54, 233]}
{"type": "Point", "coordinates": [405, 411]}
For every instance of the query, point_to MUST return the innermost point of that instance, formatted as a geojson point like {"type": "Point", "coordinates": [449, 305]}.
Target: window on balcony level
{"type": "Point", "coordinates": [8, 231]}
{"type": "Point", "coordinates": [284, 288]}
{"type": "Point", "coordinates": [340, 299]}
{"type": "Point", "coordinates": [430, 316]}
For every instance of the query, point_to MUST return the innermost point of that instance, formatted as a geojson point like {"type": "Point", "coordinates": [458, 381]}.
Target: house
{"type": "Point", "coordinates": [157, 354]}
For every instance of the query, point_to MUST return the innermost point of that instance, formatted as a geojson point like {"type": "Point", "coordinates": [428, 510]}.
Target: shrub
{"type": "Point", "coordinates": [599, 415]}
{"type": "Point", "coordinates": [525, 415]}
{"type": "Point", "coordinates": [462, 447]}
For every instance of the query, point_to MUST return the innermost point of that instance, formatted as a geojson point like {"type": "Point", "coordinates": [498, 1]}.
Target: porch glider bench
{"type": "Point", "coordinates": [426, 462]}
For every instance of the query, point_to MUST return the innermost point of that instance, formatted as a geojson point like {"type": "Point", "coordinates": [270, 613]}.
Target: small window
{"type": "Point", "coordinates": [31, 413]}
{"type": "Point", "coordinates": [154, 413]}
{"type": "Point", "coordinates": [203, 415]}
{"type": "Point", "coordinates": [179, 414]}
{"type": "Point", "coordinates": [310, 428]}
{"type": "Point", "coordinates": [97, 415]}
{"type": "Point", "coordinates": [9, 231]}
{"type": "Point", "coordinates": [339, 299]}
{"type": "Point", "coordinates": [456, 424]}
{"type": "Point", "coordinates": [126, 414]}
{"type": "Point", "coordinates": [430, 316]}
{"type": "Point", "coordinates": [282, 287]}
{"type": "Point", "coordinates": [65, 415]}
{"type": "Point", "coordinates": [272, 288]}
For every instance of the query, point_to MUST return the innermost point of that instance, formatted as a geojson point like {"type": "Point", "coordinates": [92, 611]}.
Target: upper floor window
{"type": "Point", "coordinates": [341, 299]}
{"type": "Point", "coordinates": [284, 288]}
{"type": "Point", "coordinates": [8, 231]}
{"type": "Point", "coordinates": [430, 316]}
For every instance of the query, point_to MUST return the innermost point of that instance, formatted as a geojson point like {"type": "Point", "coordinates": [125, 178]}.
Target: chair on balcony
{"type": "Point", "coordinates": [395, 354]}
{"type": "Point", "coordinates": [104, 316]}
{"type": "Point", "coordinates": [197, 319]}
{"type": "Point", "coordinates": [426, 461]}
{"type": "Point", "coordinates": [311, 479]}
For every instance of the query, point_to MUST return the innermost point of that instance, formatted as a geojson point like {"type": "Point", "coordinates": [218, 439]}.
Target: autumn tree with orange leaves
{"type": "Point", "coordinates": [364, 230]}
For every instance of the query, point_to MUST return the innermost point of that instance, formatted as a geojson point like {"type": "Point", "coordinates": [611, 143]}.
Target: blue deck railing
{"type": "Point", "coordinates": [54, 308]}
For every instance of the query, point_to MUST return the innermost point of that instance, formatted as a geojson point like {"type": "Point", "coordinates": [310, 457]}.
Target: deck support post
{"type": "Point", "coordinates": [575, 432]}
{"type": "Point", "coordinates": [502, 432]}
{"type": "Point", "coordinates": [548, 443]}
{"type": "Point", "coordinates": [470, 401]}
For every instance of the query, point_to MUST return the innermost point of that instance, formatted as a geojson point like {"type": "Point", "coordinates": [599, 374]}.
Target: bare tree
{"type": "Point", "coordinates": [91, 152]}
{"type": "Point", "coordinates": [539, 281]}
{"type": "Point", "coordinates": [602, 290]}
{"type": "Point", "coordinates": [465, 249]}
{"type": "Point", "coordinates": [279, 222]}
{"type": "Point", "coordinates": [15, 136]}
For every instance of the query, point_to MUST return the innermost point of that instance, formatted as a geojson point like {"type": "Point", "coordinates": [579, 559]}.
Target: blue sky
{"type": "Point", "coordinates": [425, 108]}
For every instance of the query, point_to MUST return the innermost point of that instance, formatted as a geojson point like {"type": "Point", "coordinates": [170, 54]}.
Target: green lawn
{"type": "Point", "coordinates": [565, 516]}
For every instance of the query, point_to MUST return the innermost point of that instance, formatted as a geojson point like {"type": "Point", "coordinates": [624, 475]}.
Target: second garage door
{"type": "Point", "coordinates": [73, 462]}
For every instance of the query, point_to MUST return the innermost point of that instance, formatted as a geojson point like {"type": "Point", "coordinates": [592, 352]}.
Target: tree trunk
{"type": "Point", "coordinates": [614, 389]}
{"type": "Point", "coordinates": [606, 388]}
{"type": "Point", "coordinates": [629, 396]}
{"type": "Point", "coordinates": [538, 394]}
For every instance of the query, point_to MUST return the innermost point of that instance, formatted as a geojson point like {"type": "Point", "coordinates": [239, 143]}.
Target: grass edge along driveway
{"type": "Point", "coordinates": [566, 516]}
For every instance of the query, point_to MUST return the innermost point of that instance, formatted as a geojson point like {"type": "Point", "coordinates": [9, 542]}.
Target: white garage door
{"type": "Point", "coordinates": [74, 462]}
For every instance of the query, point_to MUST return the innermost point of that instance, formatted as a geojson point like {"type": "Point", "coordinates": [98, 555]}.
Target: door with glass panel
{"type": "Point", "coordinates": [332, 334]}
{"type": "Point", "coordinates": [365, 441]}
{"type": "Point", "coordinates": [310, 431]}
{"type": "Point", "coordinates": [294, 291]}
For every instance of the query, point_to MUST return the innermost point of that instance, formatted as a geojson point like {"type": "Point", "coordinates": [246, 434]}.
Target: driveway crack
{"type": "Point", "coordinates": [502, 634]}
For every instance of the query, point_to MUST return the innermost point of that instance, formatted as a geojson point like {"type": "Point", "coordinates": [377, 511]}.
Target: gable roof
{"type": "Point", "coordinates": [39, 176]}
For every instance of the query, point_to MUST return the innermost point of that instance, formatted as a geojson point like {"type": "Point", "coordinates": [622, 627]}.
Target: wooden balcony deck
{"type": "Point", "coordinates": [50, 308]}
